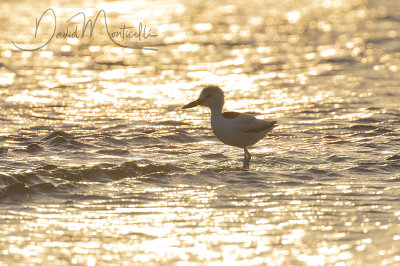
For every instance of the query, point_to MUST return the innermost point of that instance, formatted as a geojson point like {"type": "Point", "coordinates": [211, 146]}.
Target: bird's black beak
{"type": "Point", "coordinates": [192, 104]}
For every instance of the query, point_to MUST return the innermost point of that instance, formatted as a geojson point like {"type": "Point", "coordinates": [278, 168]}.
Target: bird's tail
{"type": "Point", "coordinates": [271, 125]}
{"type": "Point", "coordinates": [268, 126]}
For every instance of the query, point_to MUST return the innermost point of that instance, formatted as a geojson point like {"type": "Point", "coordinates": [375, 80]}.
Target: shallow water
{"type": "Point", "coordinates": [99, 165]}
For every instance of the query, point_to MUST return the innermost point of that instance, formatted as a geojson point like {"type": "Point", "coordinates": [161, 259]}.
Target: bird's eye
{"type": "Point", "coordinates": [208, 96]}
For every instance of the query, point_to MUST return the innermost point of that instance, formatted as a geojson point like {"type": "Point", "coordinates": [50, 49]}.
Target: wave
{"type": "Point", "coordinates": [52, 178]}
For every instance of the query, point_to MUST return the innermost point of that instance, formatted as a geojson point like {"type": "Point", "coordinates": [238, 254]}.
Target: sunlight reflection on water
{"type": "Point", "coordinates": [100, 165]}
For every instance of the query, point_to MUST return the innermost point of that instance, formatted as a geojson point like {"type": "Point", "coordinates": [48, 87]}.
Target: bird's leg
{"type": "Point", "coordinates": [247, 157]}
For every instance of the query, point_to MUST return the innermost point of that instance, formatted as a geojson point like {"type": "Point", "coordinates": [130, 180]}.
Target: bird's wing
{"type": "Point", "coordinates": [230, 115]}
{"type": "Point", "coordinates": [250, 124]}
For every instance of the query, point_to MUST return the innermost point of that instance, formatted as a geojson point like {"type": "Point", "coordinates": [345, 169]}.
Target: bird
{"type": "Point", "coordinates": [232, 128]}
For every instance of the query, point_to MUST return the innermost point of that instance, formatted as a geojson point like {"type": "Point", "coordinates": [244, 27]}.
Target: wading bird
{"type": "Point", "coordinates": [232, 128]}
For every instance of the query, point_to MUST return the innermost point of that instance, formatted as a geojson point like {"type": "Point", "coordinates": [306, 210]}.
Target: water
{"type": "Point", "coordinates": [99, 165]}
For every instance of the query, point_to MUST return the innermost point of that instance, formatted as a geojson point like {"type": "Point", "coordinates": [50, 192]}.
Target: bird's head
{"type": "Point", "coordinates": [211, 96]}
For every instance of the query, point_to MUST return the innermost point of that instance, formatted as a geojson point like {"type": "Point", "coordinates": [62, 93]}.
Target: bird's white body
{"type": "Point", "coordinates": [234, 131]}
{"type": "Point", "coordinates": [232, 128]}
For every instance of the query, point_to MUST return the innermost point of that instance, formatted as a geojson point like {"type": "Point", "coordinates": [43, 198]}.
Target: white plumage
{"type": "Point", "coordinates": [232, 128]}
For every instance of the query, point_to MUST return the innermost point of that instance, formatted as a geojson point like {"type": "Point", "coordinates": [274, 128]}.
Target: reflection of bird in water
{"type": "Point", "coordinates": [232, 128]}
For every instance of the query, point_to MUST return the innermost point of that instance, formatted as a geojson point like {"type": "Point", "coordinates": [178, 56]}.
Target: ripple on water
{"type": "Point", "coordinates": [116, 152]}
{"type": "Point", "coordinates": [337, 159]}
{"type": "Point", "coordinates": [362, 128]}
{"type": "Point", "coordinates": [37, 180]}
{"type": "Point", "coordinates": [320, 173]}
{"type": "Point", "coordinates": [395, 157]}
{"type": "Point", "coordinates": [3, 151]}
{"type": "Point", "coordinates": [181, 137]}
{"type": "Point", "coordinates": [56, 134]}
{"type": "Point", "coordinates": [114, 141]}
{"type": "Point", "coordinates": [34, 148]}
